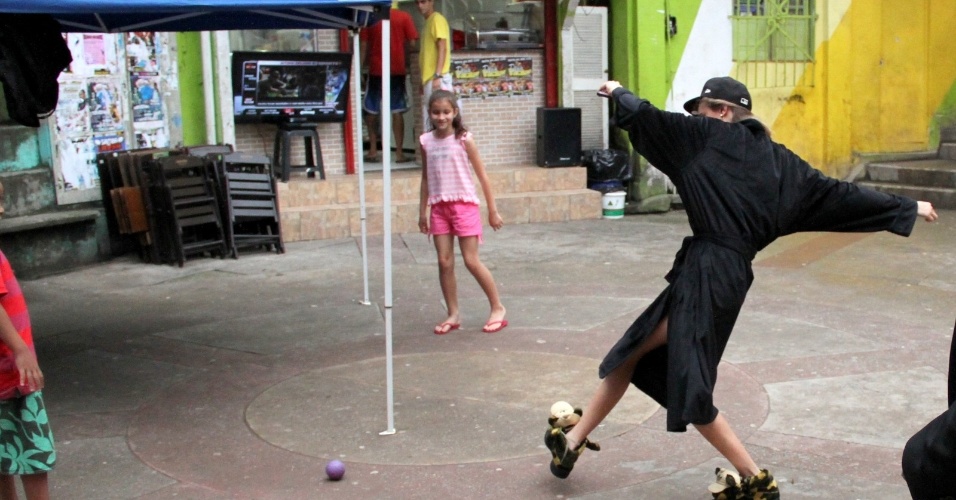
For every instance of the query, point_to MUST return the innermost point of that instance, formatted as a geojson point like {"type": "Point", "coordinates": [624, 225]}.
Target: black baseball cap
{"type": "Point", "coordinates": [724, 88]}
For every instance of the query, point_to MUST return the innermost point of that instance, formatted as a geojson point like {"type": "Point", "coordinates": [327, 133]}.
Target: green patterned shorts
{"type": "Point", "coordinates": [26, 441]}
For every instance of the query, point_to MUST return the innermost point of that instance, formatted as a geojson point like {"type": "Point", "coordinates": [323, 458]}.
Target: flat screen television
{"type": "Point", "coordinates": [290, 86]}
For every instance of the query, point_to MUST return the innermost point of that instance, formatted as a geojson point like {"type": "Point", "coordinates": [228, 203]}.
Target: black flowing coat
{"type": "Point", "coordinates": [741, 191]}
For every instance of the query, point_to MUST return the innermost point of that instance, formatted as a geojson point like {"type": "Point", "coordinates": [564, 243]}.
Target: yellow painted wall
{"type": "Point", "coordinates": [882, 70]}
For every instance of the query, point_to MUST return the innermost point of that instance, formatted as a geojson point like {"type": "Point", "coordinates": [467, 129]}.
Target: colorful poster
{"type": "Point", "coordinates": [106, 106]}
{"type": "Point", "coordinates": [151, 138]}
{"type": "Point", "coordinates": [494, 71]}
{"type": "Point", "coordinates": [466, 78]}
{"type": "Point", "coordinates": [73, 109]}
{"type": "Point", "coordinates": [492, 77]}
{"type": "Point", "coordinates": [147, 104]}
{"type": "Point", "coordinates": [109, 143]}
{"type": "Point", "coordinates": [77, 164]}
{"type": "Point", "coordinates": [141, 52]}
{"type": "Point", "coordinates": [520, 73]}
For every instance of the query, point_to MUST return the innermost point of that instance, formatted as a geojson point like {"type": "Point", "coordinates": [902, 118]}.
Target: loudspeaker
{"type": "Point", "coordinates": [559, 137]}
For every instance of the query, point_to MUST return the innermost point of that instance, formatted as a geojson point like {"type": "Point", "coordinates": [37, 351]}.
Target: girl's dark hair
{"type": "Point", "coordinates": [456, 123]}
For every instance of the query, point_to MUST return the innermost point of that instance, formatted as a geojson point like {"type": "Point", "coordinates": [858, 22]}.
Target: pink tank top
{"type": "Point", "coordinates": [449, 171]}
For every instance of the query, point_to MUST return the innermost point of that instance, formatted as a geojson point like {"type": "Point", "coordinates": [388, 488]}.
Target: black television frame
{"type": "Point", "coordinates": [319, 89]}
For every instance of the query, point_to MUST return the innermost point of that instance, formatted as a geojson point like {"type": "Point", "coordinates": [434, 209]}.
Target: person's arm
{"type": "Point", "coordinates": [667, 140]}
{"type": "Point", "coordinates": [441, 44]}
{"type": "Point", "coordinates": [494, 219]}
{"type": "Point", "coordinates": [423, 196]}
{"type": "Point", "coordinates": [828, 204]}
{"type": "Point", "coordinates": [25, 360]}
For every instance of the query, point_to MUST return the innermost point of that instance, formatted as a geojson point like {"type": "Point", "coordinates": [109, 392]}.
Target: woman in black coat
{"type": "Point", "coordinates": [741, 191]}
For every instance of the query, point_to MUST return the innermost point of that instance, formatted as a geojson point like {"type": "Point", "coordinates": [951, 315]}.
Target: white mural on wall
{"type": "Point", "coordinates": [709, 53]}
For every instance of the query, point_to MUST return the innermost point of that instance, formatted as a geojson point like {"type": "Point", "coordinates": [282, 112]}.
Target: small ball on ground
{"type": "Point", "coordinates": [335, 470]}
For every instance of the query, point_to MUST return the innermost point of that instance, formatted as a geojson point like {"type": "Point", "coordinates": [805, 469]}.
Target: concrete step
{"type": "Point", "coordinates": [314, 209]}
{"type": "Point", "coordinates": [341, 220]}
{"type": "Point", "coordinates": [940, 197]}
{"type": "Point", "coordinates": [947, 150]}
{"type": "Point", "coordinates": [939, 173]}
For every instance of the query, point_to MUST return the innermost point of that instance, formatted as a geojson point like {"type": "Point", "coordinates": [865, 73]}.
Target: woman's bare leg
{"type": "Point", "coordinates": [719, 434]}
{"type": "Point", "coordinates": [612, 388]}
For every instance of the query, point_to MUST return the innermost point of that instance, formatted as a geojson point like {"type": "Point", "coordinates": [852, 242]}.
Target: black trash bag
{"type": "Point", "coordinates": [607, 165]}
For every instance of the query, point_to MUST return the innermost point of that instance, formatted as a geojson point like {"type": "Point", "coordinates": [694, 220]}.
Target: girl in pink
{"type": "Point", "coordinates": [449, 154]}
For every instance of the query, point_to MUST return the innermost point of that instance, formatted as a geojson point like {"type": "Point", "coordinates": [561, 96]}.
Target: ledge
{"type": "Point", "coordinates": [52, 219]}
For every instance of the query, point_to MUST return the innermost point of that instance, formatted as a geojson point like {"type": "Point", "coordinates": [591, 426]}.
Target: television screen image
{"type": "Point", "coordinates": [290, 86]}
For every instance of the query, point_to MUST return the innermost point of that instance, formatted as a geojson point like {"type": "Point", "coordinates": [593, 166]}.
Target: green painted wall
{"type": "Point", "coordinates": [644, 58]}
{"type": "Point", "coordinates": [191, 88]}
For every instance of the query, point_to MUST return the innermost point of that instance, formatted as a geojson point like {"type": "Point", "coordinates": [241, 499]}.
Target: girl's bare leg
{"type": "Point", "coordinates": [445, 245]}
{"type": "Point", "coordinates": [469, 253]}
{"type": "Point", "coordinates": [36, 486]}
{"type": "Point", "coordinates": [8, 489]}
{"type": "Point", "coordinates": [719, 434]}
{"type": "Point", "coordinates": [612, 388]}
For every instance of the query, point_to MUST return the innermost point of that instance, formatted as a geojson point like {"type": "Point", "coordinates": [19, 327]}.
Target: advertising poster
{"type": "Point", "coordinates": [94, 54]}
{"type": "Point", "coordinates": [77, 164]}
{"type": "Point", "coordinates": [519, 72]}
{"type": "Point", "coordinates": [141, 52]}
{"type": "Point", "coordinates": [106, 106]}
{"type": "Point", "coordinates": [151, 137]}
{"type": "Point", "coordinates": [494, 72]}
{"type": "Point", "coordinates": [147, 105]}
{"type": "Point", "coordinates": [109, 143]}
{"type": "Point", "coordinates": [466, 79]}
{"type": "Point", "coordinates": [73, 109]}
{"type": "Point", "coordinates": [492, 77]}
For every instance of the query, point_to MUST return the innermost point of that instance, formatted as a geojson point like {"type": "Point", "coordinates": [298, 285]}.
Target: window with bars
{"type": "Point", "coordinates": [773, 30]}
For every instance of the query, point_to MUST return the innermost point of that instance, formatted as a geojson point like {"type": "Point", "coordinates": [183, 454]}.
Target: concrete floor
{"type": "Point", "coordinates": [243, 378]}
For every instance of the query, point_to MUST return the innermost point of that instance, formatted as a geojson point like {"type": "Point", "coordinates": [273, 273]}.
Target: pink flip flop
{"type": "Point", "coordinates": [495, 326]}
{"type": "Point", "coordinates": [440, 329]}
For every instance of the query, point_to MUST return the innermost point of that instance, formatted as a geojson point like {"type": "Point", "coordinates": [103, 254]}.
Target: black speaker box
{"type": "Point", "coordinates": [559, 137]}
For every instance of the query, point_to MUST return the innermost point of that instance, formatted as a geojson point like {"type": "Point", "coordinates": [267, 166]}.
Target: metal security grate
{"type": "Point", "coordinates": [773, 41]}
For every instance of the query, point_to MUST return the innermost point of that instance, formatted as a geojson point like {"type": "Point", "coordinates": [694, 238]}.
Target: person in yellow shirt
{"type": "Point", "coordinates": [434, 54]}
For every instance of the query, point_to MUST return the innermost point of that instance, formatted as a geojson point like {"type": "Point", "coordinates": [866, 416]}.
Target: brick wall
{"type": "Point", "coordinates": [504, 127]}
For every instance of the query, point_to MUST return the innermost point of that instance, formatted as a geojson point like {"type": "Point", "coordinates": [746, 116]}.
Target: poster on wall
{"type": "Point", "coordinates": [141, 52]}
{"type": "Point", "coordinates": [147, 105]}
{"type": "Point", "coordinates": [106, 105]}
{"type": "Point", "coordinates": [94, 54]}
{"type": "Point", "coordinates": [492, 77]}
{"type": "Point", "coordinates": [465, 78]}
{"type": "Point", "coordinates": [77, 164]}
{"type": "Point", "coordinates": [109, 143]}
{"type": "Point", "coordinates": [73, 109]}
{"type": "Point", "coordinates": [519, 71]}
{"type": "Point", "coordinates": [151, 137]}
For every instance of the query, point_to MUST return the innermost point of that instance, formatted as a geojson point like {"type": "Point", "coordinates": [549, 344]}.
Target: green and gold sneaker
{"type": "Point", "coordinates": [760, 487]}
{"type": "Point", "coordinates": [730, 486]}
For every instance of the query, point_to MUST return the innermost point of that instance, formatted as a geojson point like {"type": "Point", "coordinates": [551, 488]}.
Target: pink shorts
{"type": "Point", "coordinates": [457, 218]}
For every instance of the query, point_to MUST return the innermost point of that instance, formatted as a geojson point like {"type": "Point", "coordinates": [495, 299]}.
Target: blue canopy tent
{"type": "Point", "coordinates": [114, 16]}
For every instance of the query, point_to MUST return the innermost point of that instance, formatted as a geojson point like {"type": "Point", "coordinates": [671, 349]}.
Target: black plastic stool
{"type": "Point", "coordinates": [282, 150]}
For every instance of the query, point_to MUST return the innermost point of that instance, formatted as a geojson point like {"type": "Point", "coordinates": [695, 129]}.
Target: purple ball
{"type": "Point", "coordinates": [335, 470]}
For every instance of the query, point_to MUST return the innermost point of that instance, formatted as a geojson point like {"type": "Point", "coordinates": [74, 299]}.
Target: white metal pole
{"type": "Point", "coordinates": [357, 121]}
{"type": "Point", "coordinates": [224, 67]}
{"type": "Point", "coordinates": [208, 86]}
{"type": "Point", "coordinates": [385, 115]}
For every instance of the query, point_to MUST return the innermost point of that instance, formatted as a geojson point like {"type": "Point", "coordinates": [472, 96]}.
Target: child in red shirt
{"type": "Point", "coordinates": [26, 442]}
